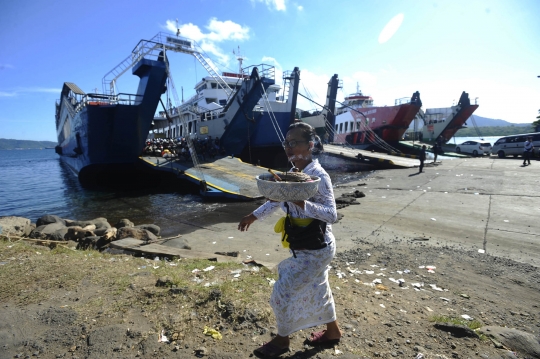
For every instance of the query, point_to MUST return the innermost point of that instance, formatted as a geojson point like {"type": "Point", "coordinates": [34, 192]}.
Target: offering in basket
{"type": "Point", "coordinates": [288, 186]}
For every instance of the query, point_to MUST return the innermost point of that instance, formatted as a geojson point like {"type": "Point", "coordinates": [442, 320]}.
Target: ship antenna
{"type": "Point", "coordinates": [357, 88]}
{"type": "Point", "coordinates": [240, 58]}
{"type": "Point", "coordinates": [177, 28]}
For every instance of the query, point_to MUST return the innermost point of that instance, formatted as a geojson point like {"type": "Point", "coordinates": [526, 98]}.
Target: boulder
{"type": "Point", "coordinates": [15, 226]}
{"type": "Point", "coordinates": [52, 231]}
{"type": "Point", "coordinates": [92, 242]}
{"type": "Point", "coordinates": [76, 223]}
{"type": "Point", "coordinates": [101, 223]}
{"type": "Point", "coordinates": [525, 344]}
{"type": "Point", "coordinates": [137, 233]}
{"type": "Point", "coordinates": [77, 233]}
{"type": "Point", "coordinates": [48, 219]}
{"type": "Point", "coordinates": [124, 223]}
{"type": "Point", "coordinates": [150, 227]}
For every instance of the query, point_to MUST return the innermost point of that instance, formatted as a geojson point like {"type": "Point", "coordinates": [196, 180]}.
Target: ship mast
{"type": "Point", "coordinates": [240, 58]}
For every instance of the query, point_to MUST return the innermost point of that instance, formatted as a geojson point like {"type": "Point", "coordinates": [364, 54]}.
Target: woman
{"type": "Point", "coordinates": [301, 297]}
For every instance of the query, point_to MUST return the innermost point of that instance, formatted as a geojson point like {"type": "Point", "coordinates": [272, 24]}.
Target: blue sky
{"type": "Point", "coordinates": [390, 48]}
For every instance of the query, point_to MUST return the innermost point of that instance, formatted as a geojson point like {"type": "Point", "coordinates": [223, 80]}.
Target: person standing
{"type": "Point", "coordinates": [422, 158]}
{"type": "Point", "coordinates": [301, 297]}
{"type": "Point", "coordinates": [527, 150]}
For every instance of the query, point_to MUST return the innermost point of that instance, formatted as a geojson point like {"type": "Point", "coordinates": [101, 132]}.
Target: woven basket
{"type": "Point", "coordinates": [287, 191]}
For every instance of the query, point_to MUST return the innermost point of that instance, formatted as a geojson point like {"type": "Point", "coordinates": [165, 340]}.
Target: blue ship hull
{"type": "Point", "coordinates": [101, 136]}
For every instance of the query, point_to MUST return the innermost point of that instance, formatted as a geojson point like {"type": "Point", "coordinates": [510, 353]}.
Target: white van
{"type": "Point", "coordinates": [513, 145]}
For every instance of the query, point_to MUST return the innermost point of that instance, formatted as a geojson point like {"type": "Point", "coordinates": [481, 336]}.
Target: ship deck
{"type": "Point", "coordinates": [225, 177]}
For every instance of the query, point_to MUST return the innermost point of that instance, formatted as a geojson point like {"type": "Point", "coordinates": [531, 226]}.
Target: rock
{"type": "Point", "coordinates": [101, 223]}
{"type": "Point", "coordinates": [150, 227]}
{"type": "Point", "coordinates": [48, 219]}
{"type": "Point", "coordinates": [164, 281]}
{"type": "Point", "coordinates": [100, 231]}
{"type": "Point", "coordinates": [457, 330]}
{"type": "Point", "coordinates": [52, 231]}
{"type": "Point", "coordinates": [15, 226]}
{"type": "Point", "coordinates": [346, 200]}
{"type": "Point", "coordinates": [77, 233]}
{"type": "Point", "coordinates": [81, 224]}
{"type": "Point", "coordinates": [522, 342]}
{"type": "Point", "coordinates": [137, 233]}
{"type": "Point", "coordinates": [124, 223]}
{"type": "Point", "coordinates": [92, 242]}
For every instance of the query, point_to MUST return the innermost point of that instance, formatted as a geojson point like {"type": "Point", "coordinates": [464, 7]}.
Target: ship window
{"type": "Point", "coordinates": [214, 85]}
{"type": "Point", "coordinates": [352, 128]}
{"type": "Point", "coordinates": [346, 126]}
{"type": "Point", "coordinates": [189, 127]}
{"type": "Point", "coordinates": [340, 128]}
{"type": "Point", "coordinates": [222, 102]}
{"type": "Point", "coordinates": [358, 125]}
{"type": "Point", "coordinates": [337, 128]}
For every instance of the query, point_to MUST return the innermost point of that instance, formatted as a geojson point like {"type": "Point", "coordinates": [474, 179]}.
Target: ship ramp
{"type": "Point", "coordinates": [222, 177]}
{"type": "Point", "coordinates": [378, 159]}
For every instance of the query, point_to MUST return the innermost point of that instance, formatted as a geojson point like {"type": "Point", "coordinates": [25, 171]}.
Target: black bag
{"type": "Point", "coordinates": [308, 237]}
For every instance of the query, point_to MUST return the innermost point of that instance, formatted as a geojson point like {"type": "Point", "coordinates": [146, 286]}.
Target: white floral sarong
{"type": "Point", "coordinates": [302, 297]}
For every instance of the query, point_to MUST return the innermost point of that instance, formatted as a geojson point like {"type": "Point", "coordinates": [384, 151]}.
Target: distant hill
{"type": "Point", "coordinates": [484, 121]}
{"type": "Point", "coordinates": [9, 144]}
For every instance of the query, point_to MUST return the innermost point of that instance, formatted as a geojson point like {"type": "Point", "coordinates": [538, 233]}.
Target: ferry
{"type": "Point", "coordinates": [205, 113]}
{"type": "Point", "coordinates": [103, 134]}
{"type": "Point", "coordinates": [445, 122]}
{"type": "Point", "coordinates": [359, 122]}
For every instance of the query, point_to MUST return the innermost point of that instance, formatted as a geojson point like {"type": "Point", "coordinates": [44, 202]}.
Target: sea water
{"type": "Point", "coordinates": [36, 182]}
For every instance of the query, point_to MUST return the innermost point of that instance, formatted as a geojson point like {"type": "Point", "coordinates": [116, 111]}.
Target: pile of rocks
{"type": "Point", "coordinates": [92, 234]}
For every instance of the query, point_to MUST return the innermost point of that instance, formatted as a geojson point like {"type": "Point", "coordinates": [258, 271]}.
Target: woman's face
{"type": "Point", "coordinates": [297, 147]}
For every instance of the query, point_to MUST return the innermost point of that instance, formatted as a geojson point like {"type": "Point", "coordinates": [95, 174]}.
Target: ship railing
{"type": "Point", "coordinates": [267, 71]}
{"type": "Point", "coordinates": [401, 101]}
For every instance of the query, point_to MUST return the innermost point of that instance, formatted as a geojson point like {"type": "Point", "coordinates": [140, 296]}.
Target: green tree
{"type": "Point", "coordinates": [536, 123]}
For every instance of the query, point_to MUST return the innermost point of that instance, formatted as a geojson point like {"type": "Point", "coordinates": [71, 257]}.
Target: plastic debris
{"type": "Point", "coordinates": [337, 351]}
{"type": "Point", "coordinates": [431, 267]}
{"type": "Point", "coordinates": [369, 272]}
{"type": "Point", "coordinates": [406, 271]}
{"type": "Point", "coordinates": [465, 295]}
{"type": "Point", "coordinates": [237, 275]}
{"type": "Point", "coordinates": [213, 333]}
{"type": "Point", "coordinates": [433, 219]}
{"type": "Point", "coordinates": [214, 242]}
{"type": "Point", "coordinates": [271, 281]}
{"type": "Point", "coordinates": [481, 251]}
{"type": "Point", "coordinates": [466, 317]}
{"type": "Point", "coordinates": [382, 305]}
{"type": "Point", "coordinates": [445, 299]}
{"type": "Point", "coordinates": [429, 309]}
{"type": "Point", "coordinates": [419, 356]}
{"type": "Point", "coordinates": [209, 268]}
{"type": "Point", "coordinates": [156, 259]}
{"type": "Point", "coordinates": [434, 287]}
{"type": "Point", "coordinates": [162, 338]}
{"type": "Point", "coordinates": [155, 267]}
{"type": "Point", "coordinates": [195, 270]}
{"type": "Point", "coordinates": [230, 237]}
{"type": "Point", "coordinates": [377, 281]}
{"type": "Point", "coordinates": [236, 271]}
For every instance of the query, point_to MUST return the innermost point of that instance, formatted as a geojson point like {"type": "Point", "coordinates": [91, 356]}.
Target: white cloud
{"type": "Point", "coordinates": [218, 31]}
{"type": "Point", "coordinates": [6, 66]}
{"type": "Point", "coordinates": [300, 7]}
{"type": "Point", "coordinates": [278, 5]}
{"type": "Point", "coordinates": [313, 86]}
{"type": "Point", "coordinates": [390, 29]}
{"type": "Point", "coordinates": [26, 90]}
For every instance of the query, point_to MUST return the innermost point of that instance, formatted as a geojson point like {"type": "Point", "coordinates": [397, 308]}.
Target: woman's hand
{"type": "Point", "coordinates": [301, 204]}
{"type": "Point", "coordinates": [246, 222]}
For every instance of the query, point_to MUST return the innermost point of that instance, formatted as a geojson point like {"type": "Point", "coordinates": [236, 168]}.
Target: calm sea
{"type": "Point", "coordinates": [36, 182]}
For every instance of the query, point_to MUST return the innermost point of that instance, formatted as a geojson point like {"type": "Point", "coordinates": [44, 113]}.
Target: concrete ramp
{"type": "Point", "coordinates": [380, 160]}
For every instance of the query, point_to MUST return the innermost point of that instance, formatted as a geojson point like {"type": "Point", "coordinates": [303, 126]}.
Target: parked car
{"type": "Point", "coordinates": [513, 145]}
{"type": "Point", "coordinates": [475, 148]}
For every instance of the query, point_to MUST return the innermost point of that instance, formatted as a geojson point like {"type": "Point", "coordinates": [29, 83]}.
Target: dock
{"type": "Point", "coordinates": [380, 160]}
{"type": "Point", "coordinates": [447, 149]}
{"type": "Point", "coordinates": [225, 177]}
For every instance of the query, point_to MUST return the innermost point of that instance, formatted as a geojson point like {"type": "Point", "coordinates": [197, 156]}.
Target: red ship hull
{"type": "Point", "coordinates": [458, 122]}
{"type": "Point", "coordinates": [389, 123]}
